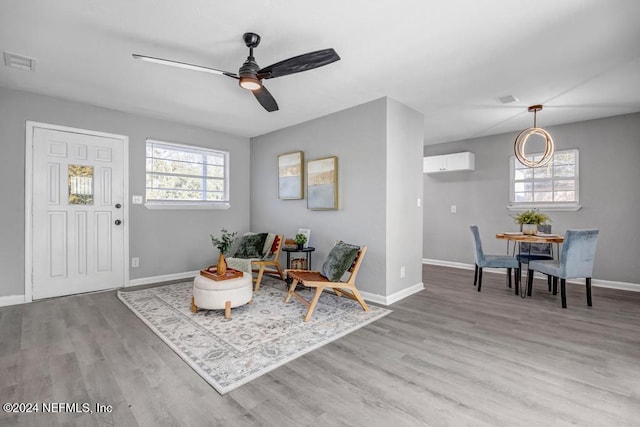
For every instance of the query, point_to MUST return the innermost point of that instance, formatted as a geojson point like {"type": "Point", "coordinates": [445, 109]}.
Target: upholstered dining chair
{"type": "Point", "coordinates": [536, 251]}
{"type": "Point", "coordinates": [576, 261]}
{"type": "Point", "coordinates": [492, 261]}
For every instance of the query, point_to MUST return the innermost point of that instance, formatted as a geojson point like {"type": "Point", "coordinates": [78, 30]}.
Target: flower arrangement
{"type": "Point", "coordinates": [223, 244]}
{"type": "Point", "coordinates": [531, 216]}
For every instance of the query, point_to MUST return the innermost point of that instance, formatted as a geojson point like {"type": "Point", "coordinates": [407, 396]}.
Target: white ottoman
{"type": "Point", "coordinates": [216, 295]}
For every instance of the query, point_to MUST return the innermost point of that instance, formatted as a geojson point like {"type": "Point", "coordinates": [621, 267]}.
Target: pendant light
{"type": "Point", "coordinates": [523, 136]}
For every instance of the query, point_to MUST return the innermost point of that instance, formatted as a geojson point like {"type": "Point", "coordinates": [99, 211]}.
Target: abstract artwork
{"type": "Point", "coordinates": [322, 184]}
{"type": "Point", "coordinates": [290, 176]}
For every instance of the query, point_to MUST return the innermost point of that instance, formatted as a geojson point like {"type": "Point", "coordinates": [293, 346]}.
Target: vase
{"type": "Point", "coordinates": [222, 265]}
{"type": "Point", "coordinates": [531, 229]}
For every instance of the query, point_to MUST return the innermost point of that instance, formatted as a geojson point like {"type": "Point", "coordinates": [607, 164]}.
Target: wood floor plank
{"type": "Point", "coordinates": [448, 355]}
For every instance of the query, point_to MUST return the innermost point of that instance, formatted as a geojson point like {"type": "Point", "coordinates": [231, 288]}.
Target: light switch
{"type": "Point", "coordinates": [136, 200]}
{"type": "Point", "coordinates": [419, 202]}
{"type": "Point", "coordinates": [454, 209]}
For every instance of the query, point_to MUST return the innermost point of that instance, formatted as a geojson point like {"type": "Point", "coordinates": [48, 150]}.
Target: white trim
{"type": "Point", "coordinates": [390, 299]}
{"type": "Point", "coordinates": [570, 207]}
{"type": "Point", "coordinates": [186, 205]}
{"type": "Point", "coordinates": [163, 278]}
{"type": "Point", "coordinates": [11, 300]}
{"type": "Point", "coordinates": [600, 283]}
{"type": "Point", "coordinates": [28, 197]}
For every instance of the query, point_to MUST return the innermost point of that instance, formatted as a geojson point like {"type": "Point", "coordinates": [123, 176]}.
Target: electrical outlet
{"type": "Point", "coordinates": [454, 208]}
{"type": "Point", "coordinates": [403, 272]}
{"type": "Point", "coordinates": [135, 262]}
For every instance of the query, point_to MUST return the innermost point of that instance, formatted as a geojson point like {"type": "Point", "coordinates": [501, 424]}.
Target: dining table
{"type": "Point", "coordinates": [518, 237]}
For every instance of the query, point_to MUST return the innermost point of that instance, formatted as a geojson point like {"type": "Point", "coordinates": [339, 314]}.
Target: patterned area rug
{"type": "Point", "coordinates": [258, 338]}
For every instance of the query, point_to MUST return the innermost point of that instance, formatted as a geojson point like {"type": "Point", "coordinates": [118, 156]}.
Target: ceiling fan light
{"type": "Point", "coordinates": [250, 83]}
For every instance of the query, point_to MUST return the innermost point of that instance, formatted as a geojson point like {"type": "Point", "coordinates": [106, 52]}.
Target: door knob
{"type": "Point", "coordinates": [118, 222]}
{"type": "Point", "coordinates": [118, 205]}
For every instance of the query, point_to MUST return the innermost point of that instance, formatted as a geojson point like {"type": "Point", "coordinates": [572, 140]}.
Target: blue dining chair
{"type": "Point", "coordinates": [492, 261]}
{"type": "Point", "coordinates": [576, 261]}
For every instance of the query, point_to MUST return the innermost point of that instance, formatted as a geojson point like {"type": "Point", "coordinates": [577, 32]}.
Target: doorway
{"type": "Point", "coordinates": [76, 228]}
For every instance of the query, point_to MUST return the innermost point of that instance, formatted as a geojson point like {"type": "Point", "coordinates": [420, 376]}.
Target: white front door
{"type": "Point", "coordinates": [78, 203]}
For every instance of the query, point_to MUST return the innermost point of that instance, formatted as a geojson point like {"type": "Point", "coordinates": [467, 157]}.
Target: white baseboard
{"type": "Point", "coordinates": [11, 300]}
{"type": "Point", "coordinates": [625, 286]}
{"type": "Point", "coordinates": [163, 278]}
{"type": "Point", "coordinates": [390, 299]}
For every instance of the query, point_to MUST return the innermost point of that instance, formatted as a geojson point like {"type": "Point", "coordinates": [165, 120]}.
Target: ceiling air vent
{"type": "Point", "coordinates": [508, 99]}
{"type": "Point", "coordinates": [20, 62]}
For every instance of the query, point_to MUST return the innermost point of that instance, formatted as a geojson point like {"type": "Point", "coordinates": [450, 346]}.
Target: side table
{"type": "Point", "coordinates": [307, 251]}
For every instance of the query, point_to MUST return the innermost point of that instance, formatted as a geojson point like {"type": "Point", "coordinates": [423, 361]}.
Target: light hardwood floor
{"type": "Point", "coordinates": [446, 356]}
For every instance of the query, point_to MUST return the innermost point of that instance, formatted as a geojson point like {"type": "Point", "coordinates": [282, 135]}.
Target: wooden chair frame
{"type": "Point", "coordinates": [270, 266]}
{"type": "Point", "coordinates": [313, 279]}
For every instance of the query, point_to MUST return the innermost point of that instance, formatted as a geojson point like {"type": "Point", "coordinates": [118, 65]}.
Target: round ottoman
{"type": "Point", "coordinates": [216, 295]}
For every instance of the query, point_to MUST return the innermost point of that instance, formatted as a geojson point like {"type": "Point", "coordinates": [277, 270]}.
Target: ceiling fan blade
{"type": "Point", "coordinates": [297, 64]}
{"type": "Point", "coordinates": [265, 99]}
{"type": "Point", "coordinates": [184, 65]}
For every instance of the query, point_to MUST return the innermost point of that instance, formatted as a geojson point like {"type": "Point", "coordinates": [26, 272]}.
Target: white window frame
{"type": "Point", "coordinates": [548, 206]}
{"type": "Point", "coordinates": [190, 204]}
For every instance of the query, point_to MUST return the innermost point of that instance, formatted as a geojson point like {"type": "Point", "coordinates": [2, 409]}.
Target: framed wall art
{"type": "Point", "coordinates": [290, 178]}
{"type": "Point", "coordinates": [322, 184]}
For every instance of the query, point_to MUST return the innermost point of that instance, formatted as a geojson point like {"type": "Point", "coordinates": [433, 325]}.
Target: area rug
{"type": "Point", "coordinates": [257, 338]}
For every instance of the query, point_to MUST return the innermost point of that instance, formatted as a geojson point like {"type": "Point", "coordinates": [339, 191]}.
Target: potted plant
{"type": "Point", "coordinates": [300, 239]}
{"type": "Point", "coordinates": [530, 220]}
{"type": "Point", "coordinates": [223, 244]}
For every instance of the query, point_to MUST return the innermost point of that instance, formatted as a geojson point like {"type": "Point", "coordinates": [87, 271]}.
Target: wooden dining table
{"type": "Point", "coordinates": [519, 237]}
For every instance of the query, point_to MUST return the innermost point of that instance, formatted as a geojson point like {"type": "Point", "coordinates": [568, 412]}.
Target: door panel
{"type": "Point", "coordinates": [77, 180]}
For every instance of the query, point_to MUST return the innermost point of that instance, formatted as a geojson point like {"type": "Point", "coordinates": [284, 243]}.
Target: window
{"type": "Point", "coordinates": [553, 186]}
{"type": "Point", "coordinates": [186, 176]}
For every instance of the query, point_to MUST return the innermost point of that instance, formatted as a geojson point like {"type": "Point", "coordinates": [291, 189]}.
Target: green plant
{"type": "Point", "coordinates": [223, 244]}
{"type": "Point", "coordinates": [531, 216]}
{"type": "Point", "coordinates": [300, 239]}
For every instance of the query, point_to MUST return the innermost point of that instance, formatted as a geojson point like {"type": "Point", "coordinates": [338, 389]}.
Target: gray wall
{"type": "Point", "coordinates": [358, 137]}
{"type": "Point", "coordinates": [405, 133]}
{"type": "Point", "coordinates": [167, 241]}
{"type": "Point", "coordinates": [609, 176]}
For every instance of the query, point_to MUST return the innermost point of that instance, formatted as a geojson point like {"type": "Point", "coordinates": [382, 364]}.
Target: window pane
{"type": "Point", "coordinates": [215, 196]}
{"type": "Point", "coordinates": [565, 171]}
{"type": "Point", "coordinates": [565, 196]}
{"type": "Point", "coordinates": [175, 182]}
{"type": "Point", "coordinates": [215, 171]}
{"type": "Point", "coordinates": [184, 173]}
{"type": "Point", "coordinates": [542, 186]}
{"type": "Point", "coordinates": [563, 158]}
{"type": "Point", "coordinates": [523, 186]}
{"type": "Point", "coordinates": [80, 185]}
{"type": "Point", "coordinates": [554, 182]}
{"type": "Point", "coordinates": [523, 197]}
{"type": "Point", "coordinates": [564, 185]}
{"type": "Point", "coordinates": [543, 196]}
{"type": "Point", "coordinates": [523, 174]}
{"type": "Point", "coordinates": [215, 159]}
{"type": "Point", "coordinates": [172, 166]}
{"type": "Point", "coordinates": [215, 185]}
{"type": "Point", "coordinates": [542, 172]}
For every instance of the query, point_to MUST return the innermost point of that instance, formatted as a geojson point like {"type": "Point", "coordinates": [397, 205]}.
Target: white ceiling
{"type": "Point", "coordinates": [449, 60]}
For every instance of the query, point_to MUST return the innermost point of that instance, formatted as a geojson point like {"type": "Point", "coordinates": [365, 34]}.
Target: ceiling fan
{"type": "Point", "coordinates": [250, 76]}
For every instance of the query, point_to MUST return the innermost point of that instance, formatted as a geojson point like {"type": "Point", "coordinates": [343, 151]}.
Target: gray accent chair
{"type": "Point", "coordinates": [492, 261]}
{"type": "Point", "coordinates": [576, 261]}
